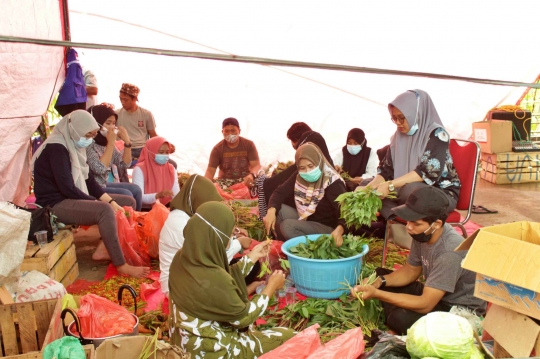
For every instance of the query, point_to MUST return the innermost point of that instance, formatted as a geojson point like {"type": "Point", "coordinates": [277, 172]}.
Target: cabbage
{"type": "Point", "coordinates": [442, 335]}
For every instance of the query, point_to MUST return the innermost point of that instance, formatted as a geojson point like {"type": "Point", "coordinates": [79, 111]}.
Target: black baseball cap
{"type": "Point", "coordinates": [230, 121]}
{"type": "Point", "coordinates": [426, 201]}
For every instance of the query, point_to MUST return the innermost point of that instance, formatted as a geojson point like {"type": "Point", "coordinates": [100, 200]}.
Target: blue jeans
{"type": "Point", "coordinates": [128, 189]}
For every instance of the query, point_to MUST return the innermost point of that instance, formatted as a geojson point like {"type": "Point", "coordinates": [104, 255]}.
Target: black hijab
{"type": "Point", "coordinates": [356, 165]}
{"type": "Point", "coordinates": [101, 114]}
{"type": "Point", "coordinates": [317, 139]}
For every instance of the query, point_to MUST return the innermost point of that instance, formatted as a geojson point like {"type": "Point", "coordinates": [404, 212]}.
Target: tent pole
{"type": "Point", "coordinates": [65, 20]}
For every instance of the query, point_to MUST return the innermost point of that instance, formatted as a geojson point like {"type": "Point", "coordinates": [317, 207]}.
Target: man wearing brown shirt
{"type": "Point", "coordinates": [236, 157]}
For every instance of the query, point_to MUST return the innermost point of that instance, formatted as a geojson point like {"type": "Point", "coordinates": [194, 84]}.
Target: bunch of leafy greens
{"type": "Point", "coordinates": [442, 335]}
{"type": "Point", "coordinates": [334, 316]}
{"type": "Point", "coordinates": [360, 208]}
{"type": "Point", "coordinates": [325, 247]}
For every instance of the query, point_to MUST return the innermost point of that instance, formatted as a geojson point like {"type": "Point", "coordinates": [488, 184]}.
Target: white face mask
{"type": "Point", "coordinates": [104, 131]}
{"type": "Point", "coordinates": [231, 138]}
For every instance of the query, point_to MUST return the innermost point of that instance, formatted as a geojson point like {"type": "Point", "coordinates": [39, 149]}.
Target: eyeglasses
{"type": "Point", "coordinates": [398, 120]}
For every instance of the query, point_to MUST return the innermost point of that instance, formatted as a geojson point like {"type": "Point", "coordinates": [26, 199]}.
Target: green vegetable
{"type": "Point", "coordinates": [360, 208]}
{"type": "Point", "coordinates": [442, 335]}
{"type": "Point", "coordinates": [325, 247]}
{"type": "Point", "coordinates": [346, 176]}
{"type": "Point", "coordinates": [334, 316]}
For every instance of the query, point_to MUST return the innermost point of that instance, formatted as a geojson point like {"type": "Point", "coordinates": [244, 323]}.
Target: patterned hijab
{"type": "Point", "coordinates": [66, 132]}
{"type": "Point", "coordinates": [308, 195]}
{"type": "Point", "coordinates": [202, 284]}
{"type": "Point", "coordinates": [196, 191]}
{"type": "Point", "coordinates": [407, 150]}
{"type": "Point", "coordinates": [156, 177]}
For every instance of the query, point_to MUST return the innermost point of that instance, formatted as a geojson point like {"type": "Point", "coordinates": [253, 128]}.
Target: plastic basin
{"type": "Point", "coordinates": [322, 278]}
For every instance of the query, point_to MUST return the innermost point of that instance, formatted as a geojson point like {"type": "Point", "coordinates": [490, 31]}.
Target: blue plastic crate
{"type": "Point", "coordinates": [322, 278]}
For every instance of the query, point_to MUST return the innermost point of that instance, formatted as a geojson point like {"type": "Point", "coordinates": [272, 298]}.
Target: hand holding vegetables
{"type": "Point", "coordinates": [270, 220]}
{"type": "Point", "coordinates": [260, 251]}
{"type": "Point", "coordinates": [364, 291]}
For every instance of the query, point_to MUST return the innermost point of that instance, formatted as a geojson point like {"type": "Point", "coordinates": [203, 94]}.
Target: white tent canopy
{"type": "Point", "coordinates": [190, 97]}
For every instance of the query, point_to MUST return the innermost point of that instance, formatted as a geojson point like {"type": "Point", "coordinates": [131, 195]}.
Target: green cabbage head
{"type": "Point", "coordinates": [442, 335]}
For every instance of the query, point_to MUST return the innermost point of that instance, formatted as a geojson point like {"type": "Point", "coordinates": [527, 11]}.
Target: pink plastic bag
{"type": "Point", "coordinates": [127, 236]}
{"type": "Point", "coordinates": [349, 345]}
{"type": "Point", "coordinates": [240, 191]}
{"type": "Point", "coordinates": [222, 193]}
{"type": "Point", "coordinates": [298, 347]}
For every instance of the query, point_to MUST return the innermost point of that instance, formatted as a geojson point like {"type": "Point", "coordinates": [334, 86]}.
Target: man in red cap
{"type": "Point", "coordinates": [138, 122]}
{"type": "Point", "coordinates": [236, 157]}
{"type": "Point", "coordinates": [404, 298]}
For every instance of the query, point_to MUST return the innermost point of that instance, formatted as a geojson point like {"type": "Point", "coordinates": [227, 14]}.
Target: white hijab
{"type": "Point", "coordinates": [406, 150]}
{"type": "Point", "coordinates": [68, 131]}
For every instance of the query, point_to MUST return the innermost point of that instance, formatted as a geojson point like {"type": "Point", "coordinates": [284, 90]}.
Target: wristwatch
{"type": "Point", "coordinates": [391, 186]}
{"type": "Point", "coordinates": [128, 146]}
{"type": "Point", "coordinates": [383, 282]}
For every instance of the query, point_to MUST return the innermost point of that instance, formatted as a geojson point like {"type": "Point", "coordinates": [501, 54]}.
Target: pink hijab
{"type": "Point", "coordinates": [156, 177]}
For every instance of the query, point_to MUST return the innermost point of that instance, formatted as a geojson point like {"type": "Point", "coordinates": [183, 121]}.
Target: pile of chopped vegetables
{"type": "Point", "coordinates": [324, 247]}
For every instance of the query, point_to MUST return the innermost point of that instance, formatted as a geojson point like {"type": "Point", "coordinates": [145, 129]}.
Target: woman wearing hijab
{"type": "Point", "coordinates": [154, 174]}
{"type": "Point", "coordinates": [104, 159]}
{"type": "Point", "coordinates": [356, 159]}
{"type": "Point", "coordinates": [196, 191]}
{"type": "Point", "coordinates": [267, 185]}
{"type": "Point", "coordinates": [63, 181]}
{"type": "Point", "coordinates": [419, 153]}
{"type": "Point", "coordinates": [315, 188]}
{"type": "Point", "coordinates": [211, 315]}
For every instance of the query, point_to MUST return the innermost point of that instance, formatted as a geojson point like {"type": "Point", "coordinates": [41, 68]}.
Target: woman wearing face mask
{"type": "Point", "coordinates": [358, 160]}
{"type": "Point", "coordinates": [154, 174]}
{"type": "Point", "coordinates": [419, 153]}
{"type": "Point", "coordinates": [196, 191]}
{"type": "Point", "coordinates": [315, 189]}
{"type": "Point", "coordinates": [63, 181]}
{"type": "Point", "coordinates": [104, 159]}
{"type": "Point", "coordinates": [211, 315]}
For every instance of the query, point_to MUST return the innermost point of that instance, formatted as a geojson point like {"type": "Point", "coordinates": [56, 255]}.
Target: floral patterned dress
{"type": "Point", "coordinates": [436, 165]}
{"type": "Point", "coordinates": [212, 340]}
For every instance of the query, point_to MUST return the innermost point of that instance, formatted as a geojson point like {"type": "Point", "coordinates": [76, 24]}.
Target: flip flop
{"type": "Point", "coordinates": [482, 210]}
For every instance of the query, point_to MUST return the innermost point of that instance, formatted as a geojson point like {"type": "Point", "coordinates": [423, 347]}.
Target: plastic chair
{"type": "Point", "coordinates": [466, 158]}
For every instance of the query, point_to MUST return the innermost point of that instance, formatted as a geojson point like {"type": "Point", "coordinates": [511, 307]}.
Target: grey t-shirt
{"type": "Point", "coordinates": [137, 124]}
{"type": "Point", "coordinates": [442, 270]}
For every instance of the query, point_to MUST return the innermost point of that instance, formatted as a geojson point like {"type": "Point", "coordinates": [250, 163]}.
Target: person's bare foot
{"type": "Point", "coordinates": [101, 253]}
{"type": "Point", "coordinates": [135, 272]}
{"type": "Point", "coordinates": [253, 287]}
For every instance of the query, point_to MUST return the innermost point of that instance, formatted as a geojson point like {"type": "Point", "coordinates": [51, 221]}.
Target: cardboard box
{"type": "Point", "coordinates": [511, 167]}
{"type": "Point", "coordinates": [514, 333]}
{"type": "Point", "coordinates": [506, 259]}
{"type": "Point", "coordinates": [493, 136]}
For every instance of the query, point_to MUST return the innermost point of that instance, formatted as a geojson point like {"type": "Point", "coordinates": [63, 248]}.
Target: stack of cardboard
{"type": "Point", "coordinates": [499, 164]}
{"type": "Point", "coordinates": [506, 259]}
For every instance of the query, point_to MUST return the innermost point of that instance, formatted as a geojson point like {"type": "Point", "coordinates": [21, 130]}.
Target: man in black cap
{"type": "Point", "coordinates": [432, 254]}
{"type": "Point", "coordinates": [236, 157]}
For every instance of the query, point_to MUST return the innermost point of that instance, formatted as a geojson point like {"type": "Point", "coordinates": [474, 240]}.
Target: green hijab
{"type": "Point", "coordinates": [201, 283]}
{"type": "Point", "coordinates": [196, 191]}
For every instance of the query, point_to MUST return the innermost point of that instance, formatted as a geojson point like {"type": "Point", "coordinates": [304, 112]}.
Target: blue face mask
{"type": "Point", "coordinates": [84, 142]}
{"type": "Point", "coordinates": [413, 130]}
{"type": "Point", "coordinates": [311, 176]}
{"type": "Point", "coordinates": [161, 159]}
{"type": "Point", "coordinates": [354, 149]}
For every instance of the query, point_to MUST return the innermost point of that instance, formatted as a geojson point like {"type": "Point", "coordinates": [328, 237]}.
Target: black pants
{"type": "Point", "coordinates": [399, 319]}
{"type": "Point", "coordinates": [252, 276]}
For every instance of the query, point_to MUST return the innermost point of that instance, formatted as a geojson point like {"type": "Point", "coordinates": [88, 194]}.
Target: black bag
{"type": "Point", "coordinates": [42, 220]}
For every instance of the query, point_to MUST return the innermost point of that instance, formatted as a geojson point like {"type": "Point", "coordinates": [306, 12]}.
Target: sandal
{"type": "Point", "coordinates": [482, 210]}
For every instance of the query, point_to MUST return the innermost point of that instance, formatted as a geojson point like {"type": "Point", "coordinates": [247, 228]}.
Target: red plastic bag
{"type": "Point", "coordinates": [102, 318]}
{"type": "Point", "coordinates": [152, 295]}
{"type": "Point", "coordinates": [222, 193]}
{"type": "Point", "coordinates": [348, 345]}
{"type": "Point", "coordinates": [127, 236]}
{"type": "Point", "coordinates": [151, 228]}
{"type": "Point", "coordinates": [300, 346]}
{"type": "Point", "coordinates": [240, 191]}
